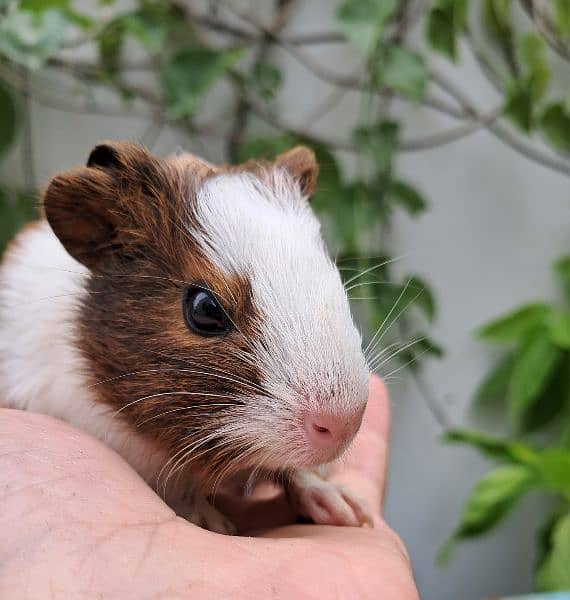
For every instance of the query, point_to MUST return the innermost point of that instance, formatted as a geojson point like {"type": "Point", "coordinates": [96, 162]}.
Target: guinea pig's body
{"type": "Point", "coordinates": [189, 317]}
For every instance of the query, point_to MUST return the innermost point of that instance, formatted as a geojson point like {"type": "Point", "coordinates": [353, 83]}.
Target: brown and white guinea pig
{"type": "Point", "coordinates": [190, 317]}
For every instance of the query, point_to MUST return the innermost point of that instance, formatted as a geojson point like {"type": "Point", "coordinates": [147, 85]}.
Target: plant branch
{"type": "Point", "coordinates": [546, 29]}
{"type": "Point", "coordinates": [428, 142]}
{"type": "Point", "coordinates": [253, 37]}
{"type": "Point", "coordinates": [501, 132]}
{"type": "Point", "coordinates": [358, 83]}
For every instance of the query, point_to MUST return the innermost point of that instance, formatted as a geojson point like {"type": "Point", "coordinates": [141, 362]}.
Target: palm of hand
{"type": "Point", "coordinates": [77, 522]}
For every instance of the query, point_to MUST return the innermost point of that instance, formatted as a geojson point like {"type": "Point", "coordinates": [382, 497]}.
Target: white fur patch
{"type": "Point", "coordinates": [41, 369]}
{"type": "Point", "coordinates": [309, 350]}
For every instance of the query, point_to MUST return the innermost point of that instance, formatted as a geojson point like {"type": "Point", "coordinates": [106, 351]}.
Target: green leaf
{"type": "Point", "coordinates": [363, 21]}
{"type": "Point", "coordinates": [559, 329]}
{"type": "Point", "coordinates": [533, 55]}
{"type": "Point", "coordinates": [562, 269]}
{"type": "Point", "coordinates": [149, 32]}
{"type": "Point", "coordinates": [562, 16]}
{"type": "Point", "coordinates": [79, 20]}
{"type": "Point", "coordinates": [330, 190]}
{"type": "Point", "coordinates": [42, 5]}
{"type": "Point", "coordinates": [378, 141]}
{"type": "Point", "coordinates": [407, 196]}
{"type": "Point", "coordinates": [15, 210]}
{"type": "Point", "coordinates": [29, 39]}
{"type": "Point", "coordinates": [498, 449]}
{"type": "Point", "coordinates": [445, 21]}
{"type": "Point", "coordinates": [190, 74]}
{"type": "Point", "coordinates": [515, 325]}
{"type": "Point", "coordinates": [524, 93]}
{"type": "Point", "coordinates": [441, 34]}
{"type": "Point", "coordinates": [492, 498]}
{"type": "Point", "coordinates": [496, 383]}
{"type": "Point", "coordinates": [111, 44]}
{"type": "Point", "coordinates": [534, 364]}
{"type": "Point", "coordinates": [553, 469]}
{"type": "Point", "coordinates": [497, 20]}
{"type": "Point", "coordinates": [544, 537]}
{"type": "Point", "coordinates": [554, 572]}
{"type": "Point", "coordinates": [401, 69]}
{"type": "Point", "coordinates": [8, 118]}
{"type": "Point", "coordinates": [367, 202]}
{"type": "Point", "coordinates": [555, 125]}
{"type": "Point", "coordinates": [519, 105]}
{"type": "Point", "coordinates": [266, 79]}
{"type": "Point", "coordinates": [552, 400]}
{"type": "Point", "coordinates": [149, 26]}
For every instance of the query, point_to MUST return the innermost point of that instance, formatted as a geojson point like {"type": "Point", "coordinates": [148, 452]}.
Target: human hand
{"type": "Point", "coordinates": [77, 522]}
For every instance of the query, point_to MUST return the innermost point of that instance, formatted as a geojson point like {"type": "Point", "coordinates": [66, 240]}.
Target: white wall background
{"type": "Point", "coordinates": [496, 223]}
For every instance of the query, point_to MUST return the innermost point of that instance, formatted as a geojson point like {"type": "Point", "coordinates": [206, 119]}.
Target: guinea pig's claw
{"type": "Point", "coordinates": [202, 513]}
{"type": "Point", "coordinates": [327, 503]}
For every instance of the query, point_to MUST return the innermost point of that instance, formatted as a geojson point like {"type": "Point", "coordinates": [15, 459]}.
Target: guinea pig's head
{"type": "Point", "coordinates": [214, 320]}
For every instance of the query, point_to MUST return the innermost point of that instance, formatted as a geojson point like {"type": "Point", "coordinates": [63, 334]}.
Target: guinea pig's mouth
{"type": "Point", "coordinates": [306, 433]}
{"type": "Point", "coordinates": [315, 439]}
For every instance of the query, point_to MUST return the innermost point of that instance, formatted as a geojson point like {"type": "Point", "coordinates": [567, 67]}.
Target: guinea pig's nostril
{"type": "Point", "coordinates": [329, 433]}
{"type": "Point", "coordinates": [320, 429]}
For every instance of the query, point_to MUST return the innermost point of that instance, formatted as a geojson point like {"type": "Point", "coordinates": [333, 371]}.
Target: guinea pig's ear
{"type": "Point", "coordinates": [301, 164]}
{"type": "Point", "coordinates": [93, 210]}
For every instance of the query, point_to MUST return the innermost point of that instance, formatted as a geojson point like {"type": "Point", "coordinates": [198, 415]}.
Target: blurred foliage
{"type": "Point", "coordinates": [515, 44]}
{"type": "Point", "coordinates": [532, 383]}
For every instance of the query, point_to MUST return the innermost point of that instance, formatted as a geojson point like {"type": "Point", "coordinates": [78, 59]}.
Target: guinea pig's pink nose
{"type": "Point", "coordinates": [330, 432]}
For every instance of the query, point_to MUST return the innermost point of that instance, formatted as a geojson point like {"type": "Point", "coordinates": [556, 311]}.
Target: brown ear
{"type": "Point", "coordinates": [301, 164]}
{"type": "Point", "coordinates": [93, 210]}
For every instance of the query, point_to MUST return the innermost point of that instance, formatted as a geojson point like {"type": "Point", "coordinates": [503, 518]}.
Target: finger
{"type": "Point", "coordinates": [364, 468]}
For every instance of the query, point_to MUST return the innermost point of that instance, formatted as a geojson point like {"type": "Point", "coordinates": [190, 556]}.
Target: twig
{"type": "Point", "coordinates": [412, 145]}
{"type": "Point", "coordinates": [452, 134]}
{"type": "Point", "coordinates": [501, 132]}
{"type": "Point", "coordinates": [299, 39]}
{"type": "Point", "coordinates": [546, 29]}
{"type": "Point", "coordinates": [433, 405]}
{"type": "Point", "coordinates": [323, 108]}
{"type": "Point", "coordinates": [63, 103]}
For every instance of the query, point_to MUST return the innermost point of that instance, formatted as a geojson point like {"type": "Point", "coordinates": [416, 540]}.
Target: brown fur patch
{"type": "Point", "coordinates": [129, 217]}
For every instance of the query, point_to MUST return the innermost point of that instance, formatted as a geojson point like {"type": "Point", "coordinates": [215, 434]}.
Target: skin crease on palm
{"type": "Point", "coordinates": [77, 522]}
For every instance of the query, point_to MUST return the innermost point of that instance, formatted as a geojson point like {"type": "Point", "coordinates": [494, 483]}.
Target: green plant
{"type": "Point", "coordinates": [532, 382]}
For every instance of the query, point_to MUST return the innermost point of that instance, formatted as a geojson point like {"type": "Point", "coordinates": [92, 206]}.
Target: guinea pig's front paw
{"type": "Point", "coordinates": [200, 511]}
{"type": "Point", "coordinates": [327, 503]}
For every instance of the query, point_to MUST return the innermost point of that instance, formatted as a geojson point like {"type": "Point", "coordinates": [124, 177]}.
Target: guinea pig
{"type": "Point", "coordinates": [189, 317]}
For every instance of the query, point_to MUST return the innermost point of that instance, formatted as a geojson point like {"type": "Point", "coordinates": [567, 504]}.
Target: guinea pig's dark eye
{"type": "Point", "coordinates": [203, 312]}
